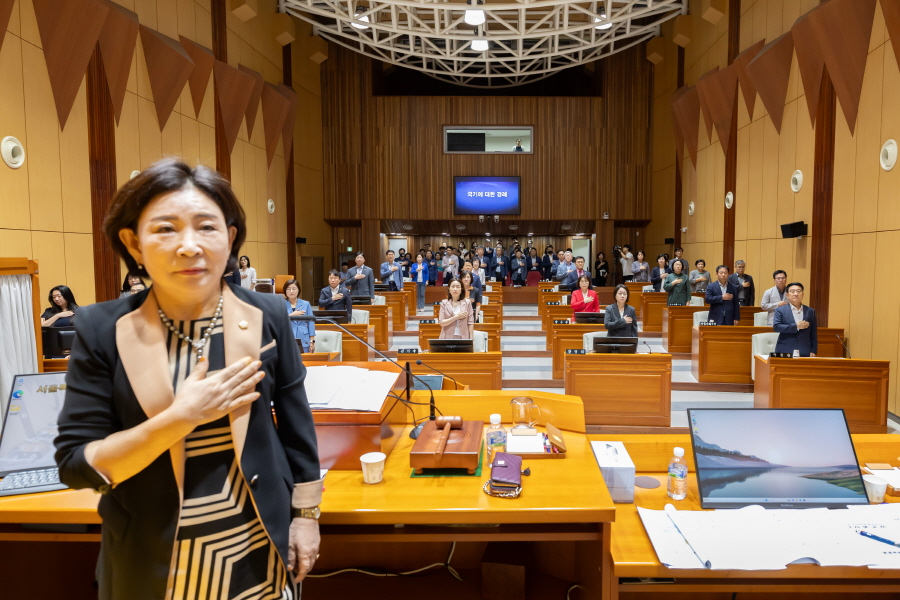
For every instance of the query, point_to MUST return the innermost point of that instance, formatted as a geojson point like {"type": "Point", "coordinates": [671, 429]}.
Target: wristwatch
{"type": "Point", "coordinates": [306, 513]}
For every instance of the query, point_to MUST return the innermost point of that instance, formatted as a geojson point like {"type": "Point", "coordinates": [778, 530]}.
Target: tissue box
{"type": "Point", "coordinates": [617, 469]}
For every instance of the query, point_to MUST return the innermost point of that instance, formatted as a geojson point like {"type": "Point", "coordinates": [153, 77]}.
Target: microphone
{"type": "Point", "coordinates": [455, 382]}
{"type": "Point", "coordinates": [417, 429]}
{"type": "Point", "coordinates": [844, 345]}
{"type": "Point", "coordinates": [649, 351]}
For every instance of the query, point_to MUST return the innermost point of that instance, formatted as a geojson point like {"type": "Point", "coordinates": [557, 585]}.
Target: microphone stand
{"type": "Point", "coordinates": [417, 429]}
{"type": "Point", "coordinates": [844, 345]}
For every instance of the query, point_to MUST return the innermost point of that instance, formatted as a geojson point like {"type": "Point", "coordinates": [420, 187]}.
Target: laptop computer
{"type": "Point", "coordinates": [775, 457]}
{"type": "Point", "coordinates": [27, 464]}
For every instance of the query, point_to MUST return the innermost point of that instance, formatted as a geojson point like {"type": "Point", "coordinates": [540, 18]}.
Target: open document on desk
{"type": "Point", "coordinates": [755, 538]}
{"type": "Point", "coordinates": [347, 388]}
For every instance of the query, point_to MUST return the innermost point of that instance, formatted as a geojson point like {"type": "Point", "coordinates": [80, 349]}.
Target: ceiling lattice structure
{"type": "Point", "coordinates": [517, 43]}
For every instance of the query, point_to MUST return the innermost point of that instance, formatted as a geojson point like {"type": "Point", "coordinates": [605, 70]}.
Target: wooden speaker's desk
{"type": "Point", "coordinates": [479, 371]}
{"type": "Point", "coordinates": [622, 389]}
{"type": "Point", "coordinates": [527, 294]}
{"type": "Point", "coordinates": [495, 296]}
{"type": "Point", "coordinates": [399, 302]}
{"type": "Point", "coordinates": [635, 295]}
{"type": "Point", "coordinates": [431, 331]}
{"type": "Point", "coordinates": [549, 297]}
{"type": "Point", "coordinates": [652, 306]}
{"type": "Point", "coordinates": [677, 322]}
{"type": "Point", "coordinates": [860, 387]}
{"type": "Point", "coordinates": [353, 350]}
{"type": "Point", "coordinates": [381, 316]}
{"type": "Point", "coordinates": [634, 558]}
{"type": "Point", "coordinates": [554, 313]}
{"type": "Point", "coordinates": [722, 354]}
{"type": "Point", "coordinates": [568, 337]}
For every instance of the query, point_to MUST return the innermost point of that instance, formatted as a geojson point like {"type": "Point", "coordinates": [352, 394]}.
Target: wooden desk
{"type": "Point", "coordinates": [352, 349]}
{"type": "Point", "coordinates": [860, 387]}
{"type": "Point", "coordinates": [320, 357]}
{"type": "Point", "coordinates": [526, 294]}
{"type": "Point", "coordinates": [554, 313]}
{"type": "Point", "coordinates": [55, 365]}
{"type": "Point", "coordinates": [722, 354]}
{"type": "Point", "coordinates": [635, 295]}
{"type": "Point", "coordinates": [632, 554]}
{"type": "Point", "coordinates": [747, 313]}
{"type": "Point", "coordinates": [398, 301]}
{"type": "Point", "coordinates": [381, 316]}
{"type": "Point", "coordinates": [565, 337]}
{"type": "Point", "coordinates": [677, 322]}
{"type": "Point", "coordinates": [481, 371]}
{"type": "Point", "coordinates": [431, 331]}
{"type": "Point", "coordinates": [549, 297]}
{"type": "Point", "coordinates": [622, 389]}
{"type": "Point", "coordinates": [652, 305]}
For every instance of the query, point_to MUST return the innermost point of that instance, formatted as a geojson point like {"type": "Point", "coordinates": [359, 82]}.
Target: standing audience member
{"type": "Point", "coordinates": [659, 272]}
{"type": "Point", "coordinates": [62, 308]}
{"type": "Point", "coordinates": [556, 260]}
{"type": "Point", "coordinates": [476, 279]}
{"type": "Point", "coordinates": [406, 262]}
{"type": "Point", "coordinates": [471, 292]}
{"type": "Point", "coordinates": [456, 316]}
{"type": "Point", "coordinates": [132, 285]}
{"type": "Point", "coordinates": [584, 299]}
{"type": "Point", "coordinates": [248, 273]}
{"type": "Point", "coordinates": [336, 296]}
{"type": "Point", "coordinates": [419, 273]}
{"type": "Point", "coordinates": [722, 297]}
{"type": "Point", "coordinates": [619, 318]}
{"type": "Point", "coordinates": [684, 263]}
{"type": "Point", "coordinates": [499, 266]}
{"type": "Point", "coordinates": [360, 280]}
{"type": "Point", "coordinates": [391, 272]}
{"type": "Point", "coordinates": [699, 277]}
{"type": "Point", "coordinates": [571, 280]}
{"type": "Point", "coordinates": [534, 263]}
{"type": "Point", "coordinates": [677, 285]}
{"type": "Point", "coordinates": [746, 289]}
{"type": "Point", "coordinates": [626, 259]}
{"type": "Point", "coordinates": [640, 270]}
{"type": "Point", "coordinates": [305, 331]}
{"type": "Point", "coordinates": [774, 296]}
{"type": "Point", "coordinates": [566, 267]}
{"type": "Point", "coordinates": [796, 324]}
{"type": "Point", "coordinates": [432, 266]}
{"type": "Point", "coordinates": [547, 262]}
{"type": "Point", "coordinates": [601, 269]}
{"type": "Point", "coordinates": [518, 268]}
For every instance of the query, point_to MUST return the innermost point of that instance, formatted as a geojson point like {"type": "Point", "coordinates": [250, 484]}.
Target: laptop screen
{"type": "Point", "coordinates": [777, 458]}
{"type": "Point", "coordinates": [29, 428]}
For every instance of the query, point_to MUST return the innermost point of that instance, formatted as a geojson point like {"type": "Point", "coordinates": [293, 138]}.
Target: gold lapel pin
{"type": "Point", "coordinates": [243, 325]}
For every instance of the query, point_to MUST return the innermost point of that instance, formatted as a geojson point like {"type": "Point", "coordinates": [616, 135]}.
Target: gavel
{"type": "Point", "coordinates": [447, 423]}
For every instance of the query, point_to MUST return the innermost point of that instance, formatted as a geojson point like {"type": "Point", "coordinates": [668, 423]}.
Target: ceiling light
{"type": "Point", "coordinates": [356, 15]}
{"type": "Point", "coordinates": [474, 17]}
{"type": "Point", "coordinates": [530, 234]}
{"type": "Point", "coordinates": [479, 45]}
{"type": "Point", "coordinates": [445, 234]}
{"type": "Point", "coordinates": [601, 18]}
{"type": "Point", "coordinates": [487, 235]}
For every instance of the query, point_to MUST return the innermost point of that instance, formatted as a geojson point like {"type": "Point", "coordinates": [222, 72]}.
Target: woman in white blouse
{"type": "Point", "coordinates": [248, 273]}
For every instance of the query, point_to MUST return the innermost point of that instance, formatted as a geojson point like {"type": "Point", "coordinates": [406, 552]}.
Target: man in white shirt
{"type": "Point", "coordinates": [626, 259]}
{"type": "Point", "coordinates": [796, 325]}
{"type": "Point", "coordinates": [775, 296]}
{"type": "Point", "coordinates": [565, 267]}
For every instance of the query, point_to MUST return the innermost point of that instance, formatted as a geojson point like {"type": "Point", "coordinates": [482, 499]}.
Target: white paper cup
{"type": "Point", "coordinates": [373, 466]}
{"type": "Point", "coordinates": [875, 488]}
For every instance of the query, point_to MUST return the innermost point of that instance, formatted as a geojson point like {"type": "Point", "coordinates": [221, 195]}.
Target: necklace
{"type": "Point", "coordinates": [198, 344]}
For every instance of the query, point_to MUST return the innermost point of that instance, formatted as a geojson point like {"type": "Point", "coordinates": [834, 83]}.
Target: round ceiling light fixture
{"type": "Point", "coordinates": [474, 16]}
{"type": "Point", "coordinates": [407, 227]}
{"type": "Point", "coordinates": [360, 18]}
{"type": "Point", "coordinates": [601, 18]}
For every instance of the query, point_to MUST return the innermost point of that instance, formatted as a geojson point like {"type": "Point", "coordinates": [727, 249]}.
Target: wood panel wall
{"type": "Point", "coordinates": [383, 156]}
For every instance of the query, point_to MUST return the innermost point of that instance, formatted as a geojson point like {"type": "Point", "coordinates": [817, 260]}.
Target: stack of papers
{"type": "Point", "coordinates": [754, 538]}
{"type": "Point", "coordinates": [347, 388]}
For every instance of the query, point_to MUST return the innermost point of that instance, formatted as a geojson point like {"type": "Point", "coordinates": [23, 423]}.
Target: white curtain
{"type": "Point", "coordinates": [18, 348]}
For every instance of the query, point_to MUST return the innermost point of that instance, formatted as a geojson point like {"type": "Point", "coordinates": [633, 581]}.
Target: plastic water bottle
{"type": "Point", "coordinates": [495, 438]}
{"type": "Point", "coordinates": [677, 484]}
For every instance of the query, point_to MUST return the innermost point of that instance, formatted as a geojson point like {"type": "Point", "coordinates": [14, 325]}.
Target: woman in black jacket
{"type": "Point", "coordinates": [619, 318]}
{"type": "Point", "coordinates": [169, 401]}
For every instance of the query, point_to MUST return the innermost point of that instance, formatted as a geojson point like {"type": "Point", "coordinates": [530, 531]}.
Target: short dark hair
{"type": "Point", "coordinates": [698, 261]}
{"type": "Point", "coordinates": [363, 254]}
{"type": "Point", "coordinates": [624, 287]}
{"type": "Point", "coordinates": [162, 177]}
{"type": "Point", "coordinates": [586, 278]}
{"type": "Point", "coordinates": [779, 272]}
{"type": "Point", "coordinates": [125, 286]}
{"type": "Point", "coordinates": [627, 246]}
{"type": "Point", "coordinates": [797, 283]}
{"type": "Point", "coordinates": [579, 258]}
{"type": "Point", "coordinates": [389, 251]}
{"type": "Point", "coordinates": [661, 256]}
{"type": "Point", "coordinates": [679, 249]}
{"type": "Point", "coordinates": [334, 272]}
{"type": "Point", "coordinates": [288, 283]}
{"type": "Point", "coordinates": [242, 257]}
{"type": "Point", "coordinates": [67, 295]}
{"type": "Point", "coordinates": [723, 267]}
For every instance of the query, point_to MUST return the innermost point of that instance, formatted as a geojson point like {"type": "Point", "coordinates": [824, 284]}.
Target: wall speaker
{"type": "Point", "coordinates": [670, 240]}
{"type": "Point", "coordinates": [300, 240]}
{"type": "Point", "coordinates": [794, 230]}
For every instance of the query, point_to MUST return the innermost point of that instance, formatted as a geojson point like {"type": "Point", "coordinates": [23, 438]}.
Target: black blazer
{"type": "Point", "coordinates": [723, 312]}
{"type": "Point", "coordinates": [789, 337]}
{"type": "Point", "coordinates": [345, 303]}
{"type": "Point", "coordinates": [615, 323]}
{"type": "Point", "coordinates": [118, 377]}
{"type": "Point", "coordinates": [749, 292]}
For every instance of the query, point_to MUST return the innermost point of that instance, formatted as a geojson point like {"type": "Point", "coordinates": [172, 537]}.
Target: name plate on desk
{"type": "Point", "coordinates": [561, 321]}
{"type": "Point", "coordinates": [781, 355]}
{"type": "Point", "coordinates": [707, 323]}
{"type": "Point", "coordinates": [552, 303]}
{"type": "Point", "coordinates": [427, 321]}
{"type": "Point", "coordinates": [408, 351]}
{"type": "Point", "coordinates": [575, 351]}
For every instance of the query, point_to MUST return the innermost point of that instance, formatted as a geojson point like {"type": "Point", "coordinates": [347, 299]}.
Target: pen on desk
{"type": "Point", "coordinates": [878, 539]}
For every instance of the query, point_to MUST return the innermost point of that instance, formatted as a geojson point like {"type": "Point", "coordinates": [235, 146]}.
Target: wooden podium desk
{"type": "Point", "coordinates": [320, 357]}
{"type": "Point", "coordinates": [567, 337]}
{"type": "Point", "coordinates": [397, 301]}
{"type": "Point", "coordinates": [677, 322]}
{"type": "Point", "coordinates": [526, 294]}
{"type": "Point", "coordinates": [431, 331]}
{"type": "Point", "coordinates": [722, 354]}
{"type": "Point", "coordinates": [549, 297]}
{"type": "Point", "coordinates": [633, 557]}
{"type": "Point", "coordinates": [494, 297]}
{"type": "Point", "coordinates": [860, 387]}
{"type": "Point", "coordinates": [353, 350]}
{"type": "Point", "coordinates": [635, 295]}
{"type": "Point", "coordinates": [554, 313]}
{"type": "Point", "coordinates": [381, 316]}
{"type": "Point", "coordinates": [409, 288]}
{"type": "Point", "coordinates": [478, 370]}
{"type": "Point", "coordinates": [622, 389]}
{"type": "Point", "coordinates": [652, 306]}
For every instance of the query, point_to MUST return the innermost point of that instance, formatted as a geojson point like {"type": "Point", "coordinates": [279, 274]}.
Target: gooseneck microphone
{"type": "Point", "coordinates": [844, 345]}
{"type": "Point", "coordinates": [455, 382]}
{"type": "Point", "coordinates": [649, 350]}
{"type": "Point", "coordinates": [417, 429]}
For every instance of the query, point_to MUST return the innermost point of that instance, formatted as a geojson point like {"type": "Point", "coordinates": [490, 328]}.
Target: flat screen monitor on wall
{"type": "Point", "coordinates": [486, 196]}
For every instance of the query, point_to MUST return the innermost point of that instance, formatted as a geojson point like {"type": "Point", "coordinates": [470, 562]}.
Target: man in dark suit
{"type": "Point", "coordinates": [360, 280]}
{"type": "Point", "coordinates": [722, 297]}
{"type": "Point", "coordinates": [390, 272]}
{"type": "Point", "coordinates": [476, 280]}
{"type": "Point", "coordinates": [335, 296]}
{"type": "Point", "coordinates": [499, 266]}
{"type": "Point", "coordinates": [744, 283]}
{"type": "Point", "coordinates": [571, 280]}
{"type": "Point", "coordinates": [796, 324]}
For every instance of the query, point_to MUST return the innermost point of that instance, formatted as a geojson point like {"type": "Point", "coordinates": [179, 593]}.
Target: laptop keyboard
{"type": "Point", "coordinates": [30, 482]}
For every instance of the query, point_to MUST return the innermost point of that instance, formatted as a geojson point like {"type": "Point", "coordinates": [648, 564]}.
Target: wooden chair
{"type": "Point", "coordinates": [280, 281]}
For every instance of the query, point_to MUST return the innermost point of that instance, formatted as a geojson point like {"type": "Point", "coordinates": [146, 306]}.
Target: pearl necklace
{"type": "Point", "coordinates": [200, 344]}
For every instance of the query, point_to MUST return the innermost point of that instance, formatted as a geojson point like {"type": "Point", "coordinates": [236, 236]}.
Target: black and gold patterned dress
{"type": "Point", "coordinates": [222, 551]}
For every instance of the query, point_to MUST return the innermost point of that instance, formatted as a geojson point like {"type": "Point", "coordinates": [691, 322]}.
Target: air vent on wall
{"type": "Point", "coordinates": [461, 227]}
{"type": "Point", "coordinates": [566, 227]}
{"type": "Point", "coordinates": [407, 227]}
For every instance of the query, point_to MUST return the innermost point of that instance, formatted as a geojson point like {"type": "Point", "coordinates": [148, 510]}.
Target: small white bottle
{"type": "Point", "coordinates": [495, 438]}
{"type": "Point", "coordinates": [677, 482]}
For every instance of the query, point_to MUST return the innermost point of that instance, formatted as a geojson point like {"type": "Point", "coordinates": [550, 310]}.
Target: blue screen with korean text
{"type": "Point", "coordinates": [486, 196]}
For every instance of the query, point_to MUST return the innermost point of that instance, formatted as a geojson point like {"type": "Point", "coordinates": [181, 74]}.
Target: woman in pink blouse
{"type": "Point", "coordinates": [456, 317]}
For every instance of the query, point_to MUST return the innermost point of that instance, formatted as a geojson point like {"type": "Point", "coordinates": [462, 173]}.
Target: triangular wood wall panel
{"type": "Point", "coordinates": [234, 88]}
{"type": "Point", "coordinates": [6, 7]}
{"type": "Point", "coordinates": [704, 107]}
{"type": "Point", "coordinates": [275, 109]}
{"type": "Point", "coordinates": [287, 136]}
{"type": "Point", "coordinates": [770, 72]}
{"type": "Point", "coordinates": [169, 67]}
{"type": "Point", "coordinates": [203, 65]}
{"type": "Point", "coordinates": [69, 31]}
{"type": "Point", "coordinates": [676, 126]}
{"type": "Point", "coordinates": [117, 41]}
{"type": "Point", "coordinates": [253, 104]}
{"type": "Point", "coordinates": [810, 60]}
{"type": "Point", "coordinates": [748, 88]}
{"type": "Point", "coordinates": [686, 106]}
{"type": "Point", "coordinates": [719, 92]}
{"type": "Point", "coordinates": [891, 11]}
